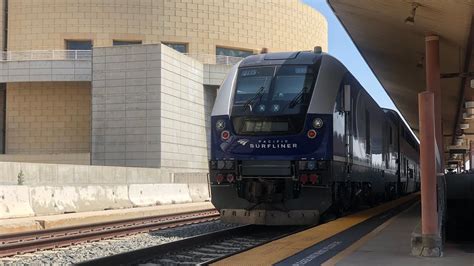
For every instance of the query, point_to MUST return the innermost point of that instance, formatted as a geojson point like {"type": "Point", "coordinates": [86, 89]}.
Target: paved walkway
{"type": "Point", "coordinates": [73, 219]}
{"type": "Point", "coordinates": [392, 246]}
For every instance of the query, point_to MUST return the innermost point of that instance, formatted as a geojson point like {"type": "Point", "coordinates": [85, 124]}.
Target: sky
{"type": "Point", "coordinates": [342, 47]}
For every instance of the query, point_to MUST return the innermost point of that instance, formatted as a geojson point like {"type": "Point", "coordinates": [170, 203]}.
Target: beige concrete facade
{"type": "Point", "coordinates": [202, 24]}
{"type": "Point", "coordinates": [45, 118]}
{"type": "Point", "coordinates": [48, 117]}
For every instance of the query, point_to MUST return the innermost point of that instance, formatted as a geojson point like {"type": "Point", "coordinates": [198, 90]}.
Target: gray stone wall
{"type": "Point", "coordinates": [39, 174]}
{"type": "Point", "coordinates": [183, 117]}
{"type": "Point", "coordinates": [126, 106]}
{"type": "Point", "coordinates": [45, 70]}
{"type": "Point", "coordinates": [149, 108]}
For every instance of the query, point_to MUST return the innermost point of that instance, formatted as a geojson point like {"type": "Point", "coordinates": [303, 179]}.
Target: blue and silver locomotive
{"type": "Point", "coordinates": [295, 135]}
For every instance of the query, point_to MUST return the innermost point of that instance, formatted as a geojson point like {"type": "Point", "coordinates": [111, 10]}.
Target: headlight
{"type": "Point", "coordinates": [220, 165]}
{"type": "Point", "coordinates": [307, 165]}
{"type": "Point", "coordinates": [323, 165]}
{"type": "Point", "coordinates": [229, 165]}
{"type": "Point", "coordinates": [317, 123]}
{"type": "Point", "coordinates": [220, 124]}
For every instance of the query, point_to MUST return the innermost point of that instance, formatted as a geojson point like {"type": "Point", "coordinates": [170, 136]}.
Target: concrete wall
{"type": "Point", "coordinates": [48, 117]}
{"type": "Point", "coordinates": [183, 131]}
{"type": "Point", "coordinates": [252, 24]}
{"type": "Point", "coordinates": [45, 70]}
{"type": "Point", "coordinates": [28, 189]}
{"type": "Point", "coordinates": [38, 174]}
{"type": "Point", "coordinates": [149, 108]}
{"type": "Point", "coordinates": [215, 74]}
{"type": "Point", "coordinates": [126, 106]}
{"type": "Point", "coordinates": [63, 158]}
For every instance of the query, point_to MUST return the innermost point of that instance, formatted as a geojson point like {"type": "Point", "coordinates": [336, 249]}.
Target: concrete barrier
{"type": "Point", "coordinates": [158, 194]}
{"type": "Point", "coordinates": [92, 198]}
{"type": "Point", "coordinates": [199, 192]}
{"type": "Point", "coordinates": [47, 200]}
{"type": "Point", "coordinates": [15, 202]}
{"type": "Point", "coordinates": [65, 199]}
{"type": "Point", "coordinates": [23, 201]}
{"type": "Point", "coordinates": [27, 189]}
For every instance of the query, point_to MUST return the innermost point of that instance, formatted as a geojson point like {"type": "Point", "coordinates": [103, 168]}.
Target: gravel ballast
{"type": "Point", "coordinates": [88, 251]}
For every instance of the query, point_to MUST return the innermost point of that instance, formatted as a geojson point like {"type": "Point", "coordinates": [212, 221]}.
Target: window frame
{"type": "Point", "coordinates": [250, 51]}
{"type": "Point", "coordinates": [186, 46]}
{"type": "Point", "coordinates": [67, 41]}
{"type": "Point", "coordinates": [368, 148]}
{"type": "Point", "coordinates": [126, 42]}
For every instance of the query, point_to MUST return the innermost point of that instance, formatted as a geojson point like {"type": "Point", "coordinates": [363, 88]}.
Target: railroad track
{"type": "Point", "coordinates": [201, 249]}
{"type": "Point", "coordinates": [20, 243]}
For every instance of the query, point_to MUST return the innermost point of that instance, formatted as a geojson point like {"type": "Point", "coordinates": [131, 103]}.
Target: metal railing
{"type": "Point", "coordinates": [216, 59]}
{"type": "Point", "coordinates": [87, 55]}
{"type": "Point", "coordinates": [46, 55]}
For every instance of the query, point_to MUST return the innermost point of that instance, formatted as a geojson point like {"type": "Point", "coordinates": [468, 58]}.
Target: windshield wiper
{"type": "Point", "coordinates": [248, 105]}
{"type": "Point", "coordinates": [298, 98]}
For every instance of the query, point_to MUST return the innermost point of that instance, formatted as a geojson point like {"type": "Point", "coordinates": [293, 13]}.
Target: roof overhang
{"type": "Point", "coordinates": [395, 51]}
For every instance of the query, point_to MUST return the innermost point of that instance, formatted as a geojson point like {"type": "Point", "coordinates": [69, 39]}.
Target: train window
{"type": "Point", "coordinates": [272, 99]}
{"type": "Point", "coordinates": [390, 134]}
{"type": "Point", "coordinates": [253, 82]}
{"type": "Point", "coordinates": [293, 82]}
{"type": "Point", "coordinates": [367, 132]}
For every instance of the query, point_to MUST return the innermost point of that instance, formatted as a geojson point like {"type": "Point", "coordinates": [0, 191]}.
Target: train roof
{"type": "Point", "coordinates": [394, 115]}
{"type": "Point", "coordinates": [280, 58]}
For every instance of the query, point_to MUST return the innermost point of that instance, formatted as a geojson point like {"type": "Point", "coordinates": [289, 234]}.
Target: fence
{"type": "Point", "coordinates": [87, 55]}
{"type": "Point", "coordinates": [46, 55]}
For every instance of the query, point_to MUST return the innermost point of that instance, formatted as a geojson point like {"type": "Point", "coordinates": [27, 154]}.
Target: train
{"type": "Point", "coordinates": [295, 136]}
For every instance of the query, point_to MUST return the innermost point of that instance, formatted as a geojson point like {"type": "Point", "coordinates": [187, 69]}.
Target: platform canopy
{"type": "Point", "coordinates": [394, 47]}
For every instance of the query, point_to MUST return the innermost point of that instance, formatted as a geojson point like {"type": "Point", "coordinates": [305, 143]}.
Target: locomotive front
{"type": "Point", "coordinates": [270, 155]}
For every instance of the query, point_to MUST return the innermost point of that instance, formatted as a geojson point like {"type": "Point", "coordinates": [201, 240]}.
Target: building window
{"type": "Point", "coordinates": [180, 47]}
{"type": "Point", "coordinates": [233, 52]}
{"type": "Point", "coordinates": [117, 43]}
{"type": "Point", "coordinates": [78, 45]}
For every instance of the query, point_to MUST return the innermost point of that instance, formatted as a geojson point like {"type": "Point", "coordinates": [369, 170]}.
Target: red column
{"type": "Point", "coordinates": [429, 212]}
{"type": "Point", "coordinates": [471, 155]}
{"type": "Point", "coordinates": [433, 84]}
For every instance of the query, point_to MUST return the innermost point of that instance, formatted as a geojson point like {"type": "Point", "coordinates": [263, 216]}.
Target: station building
{"type": "Point", "coordinates": [130, 82]}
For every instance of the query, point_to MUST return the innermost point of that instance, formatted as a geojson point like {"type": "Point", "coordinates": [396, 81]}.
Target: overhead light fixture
{"type": "Point", "coordinates": [410, 20]}
{"type": "Point", "coordinates": [469, 104]}
{"type": "Point", "coordinates": [467, 116]}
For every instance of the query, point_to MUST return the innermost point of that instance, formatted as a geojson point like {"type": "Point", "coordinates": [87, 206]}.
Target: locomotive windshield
{"type": "Point", "coordinates": [272, 99]}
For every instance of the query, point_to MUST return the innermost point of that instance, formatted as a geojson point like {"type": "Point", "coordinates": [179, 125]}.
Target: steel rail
{"type": "Point", "coordinates": [145, 254]}
{"type": "Point", "coordinates": [13, 244]}
{"type": "Point", "coordinates": [134, 256]}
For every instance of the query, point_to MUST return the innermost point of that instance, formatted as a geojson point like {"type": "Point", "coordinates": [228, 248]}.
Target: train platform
{"type": "Point", "coordinates": [377, 236]}
{"type": "Point", "coordinates": [15, 225]}
{"type": "Point", "coordinates": [390, 245]}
